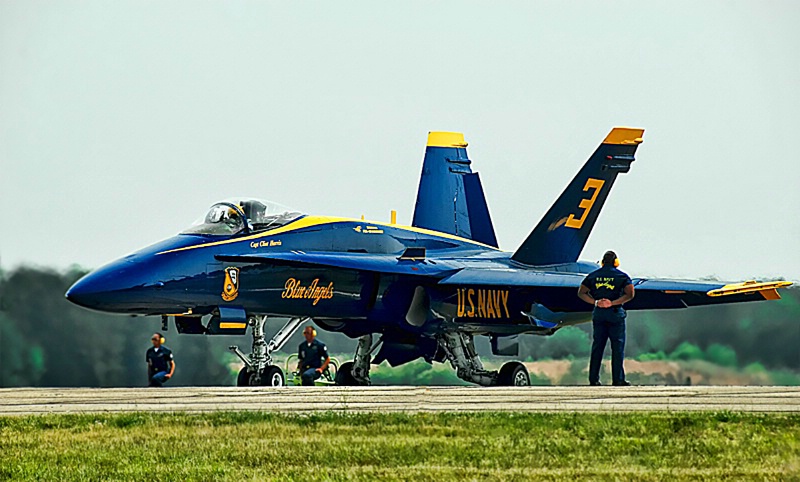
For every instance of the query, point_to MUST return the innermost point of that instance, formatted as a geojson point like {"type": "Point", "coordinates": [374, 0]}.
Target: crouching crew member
{"type": "Point", "coordinates": [160, 363]}
{"type": "Point", "coordinates": [312, 357]}
{"type": "Point", "coordinates": [607, 289]}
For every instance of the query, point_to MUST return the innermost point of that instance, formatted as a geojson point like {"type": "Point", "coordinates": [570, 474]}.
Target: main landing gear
{"type": "Point", "coordinates": [258, 368]}
{"type": "Point", "coordinates": [459, 349]}
{"type": "Point", "coordinates": [356, 372]}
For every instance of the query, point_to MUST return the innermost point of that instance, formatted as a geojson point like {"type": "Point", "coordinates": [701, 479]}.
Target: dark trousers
{"type": "Point", "coordinates": [158, 379]}
{"type": "Point", "coordinates": [608, 324]}
{"type": "Point", "coordinates": [309, 376]}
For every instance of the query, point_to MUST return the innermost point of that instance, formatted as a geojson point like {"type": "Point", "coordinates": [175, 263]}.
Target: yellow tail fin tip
{"type": "Point", "coordinates": [446, 139]}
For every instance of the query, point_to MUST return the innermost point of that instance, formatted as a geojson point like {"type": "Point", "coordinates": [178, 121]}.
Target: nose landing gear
{"type": "Point", "coordinates": [259, 369]}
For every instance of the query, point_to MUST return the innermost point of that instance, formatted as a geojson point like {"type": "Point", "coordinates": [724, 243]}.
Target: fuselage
{"type": "Point", "coordinates": [368, 287]}
{"type": "Point", "coordinates": [184, 274]}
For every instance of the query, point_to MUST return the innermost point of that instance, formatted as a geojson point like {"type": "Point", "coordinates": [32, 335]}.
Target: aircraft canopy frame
{"type": "Point", "coordinates": [245, 215]}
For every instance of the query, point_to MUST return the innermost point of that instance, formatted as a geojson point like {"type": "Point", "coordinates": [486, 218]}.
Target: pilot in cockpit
{"type": "Point", "coordinates": [248, 215]}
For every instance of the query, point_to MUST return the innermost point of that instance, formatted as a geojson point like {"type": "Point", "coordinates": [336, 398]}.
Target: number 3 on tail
{"type": "Point", "coordinates": [585, 204]}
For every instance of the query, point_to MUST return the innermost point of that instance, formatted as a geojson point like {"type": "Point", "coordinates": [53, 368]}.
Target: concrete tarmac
{"type": "Point", "coordinates": [26, 401]}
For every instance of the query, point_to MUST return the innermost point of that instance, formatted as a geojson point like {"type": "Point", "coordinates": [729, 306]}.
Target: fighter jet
{"type": "Point", "coordinates": [405, 292]}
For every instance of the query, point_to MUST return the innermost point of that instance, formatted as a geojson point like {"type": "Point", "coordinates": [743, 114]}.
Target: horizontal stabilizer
{"type": "Point", "coordinates": [352, 261]}
{"type": "Point", "coordinates": [543, 319]}
{"type": "Point", "coordinates": [546, 322]}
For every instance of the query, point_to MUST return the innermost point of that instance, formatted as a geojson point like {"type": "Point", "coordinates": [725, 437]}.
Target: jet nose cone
{"type": "Point", "coordinates": [106, 288]}
{"type": "Point", "coordinates": [86, 292]}
{"type": "Point", "coordinates": [130, 285]}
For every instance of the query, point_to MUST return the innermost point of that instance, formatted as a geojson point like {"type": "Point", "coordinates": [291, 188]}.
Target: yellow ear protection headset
{"type": "Point", "coordinates": [310, 329]}
{"type": "Point", "coordinates": [161, 337]}
{"type": "Point", "coordinates": [607, 256]}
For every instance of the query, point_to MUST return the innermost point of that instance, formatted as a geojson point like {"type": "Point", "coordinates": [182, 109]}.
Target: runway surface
{"type": "Point", "coordinates": [25, 401]}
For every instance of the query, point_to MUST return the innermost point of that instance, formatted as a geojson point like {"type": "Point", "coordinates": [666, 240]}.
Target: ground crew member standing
{"type": "Point", "coordinates": [160, 363]}
{"type": "Point", "coordinates": [312, 357]}
{"type": "Point", "coordinates": [607, 289]}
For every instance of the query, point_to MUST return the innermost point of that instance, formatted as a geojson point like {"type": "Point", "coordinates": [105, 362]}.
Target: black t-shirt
{"type": "Point", "coordinates": [312, 356]}
{"type": "Point", "coordinates": [158, 360]}
{"type": "Point", "coordinates": [607, 282]}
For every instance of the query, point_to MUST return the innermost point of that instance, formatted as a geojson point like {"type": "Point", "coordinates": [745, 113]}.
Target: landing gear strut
{"type": "Point", "coordinates": [356, 372]}
{"type": "Point", "coordinates": [459, 349]}
{"type": "Point", "coordinates": [258, 368]}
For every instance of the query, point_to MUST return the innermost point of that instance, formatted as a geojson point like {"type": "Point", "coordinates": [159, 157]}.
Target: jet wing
{"type": "Point", "coordinates": [657, 293]}
{"type": "Point", "coordinates": [650, 293]}
{"type": "Point", "coordinates": [513, 277]}
{"type": "Point", "coordinates": [380, 263]}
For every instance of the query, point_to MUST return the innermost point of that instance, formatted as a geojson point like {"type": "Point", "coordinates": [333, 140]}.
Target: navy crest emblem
{"type": "Point", "coordinates": [230, 290]}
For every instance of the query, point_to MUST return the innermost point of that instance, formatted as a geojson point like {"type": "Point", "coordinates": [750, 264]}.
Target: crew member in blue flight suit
{"type": "Point", "coordinates": [160, 362]}
{"type": "Point", "coordinates": [607, 289]}
{"type": "Point", "coordinates": [312, 357]}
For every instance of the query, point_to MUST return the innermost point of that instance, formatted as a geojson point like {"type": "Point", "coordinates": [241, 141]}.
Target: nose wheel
{"type": "Point", "coordinates": [259, 370]}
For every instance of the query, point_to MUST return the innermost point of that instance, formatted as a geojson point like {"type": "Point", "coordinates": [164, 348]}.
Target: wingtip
{"type": "Point", "coordinates": [768, 289]}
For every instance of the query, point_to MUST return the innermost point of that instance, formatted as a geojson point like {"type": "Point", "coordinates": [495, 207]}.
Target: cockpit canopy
{"type": "Point", "coordinates": [227, 218]}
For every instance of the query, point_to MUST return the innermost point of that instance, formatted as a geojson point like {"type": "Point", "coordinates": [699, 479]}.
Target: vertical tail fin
{"type": "Point", "coordinates": [450, 197]}
{"type": "Point", "coordinates": [562, 233]}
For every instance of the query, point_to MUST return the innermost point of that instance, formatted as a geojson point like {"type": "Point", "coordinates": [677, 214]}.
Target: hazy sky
{"type": "Point", "coordinates": [122, 122]}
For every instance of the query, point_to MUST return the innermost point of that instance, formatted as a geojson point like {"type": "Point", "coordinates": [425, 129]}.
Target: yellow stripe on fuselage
{"type": "Point", "coordinates": [311, 221]}
{"type": "Point", "coordinates": [231, 325]}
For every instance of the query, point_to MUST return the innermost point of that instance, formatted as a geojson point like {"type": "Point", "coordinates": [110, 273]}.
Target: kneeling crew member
{"type": "Point", "coordinates": [607, 289]}
{"type": "Point", "coordinates": [312, 357]}
{"type": "Point", "coordinates": [160, 363]}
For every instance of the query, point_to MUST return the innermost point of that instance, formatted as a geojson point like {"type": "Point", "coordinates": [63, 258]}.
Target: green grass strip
{"type": "Point", "coordinates": [425, 446]}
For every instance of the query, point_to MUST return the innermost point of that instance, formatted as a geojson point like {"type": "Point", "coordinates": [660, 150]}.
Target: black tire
{"type": "Point", "coordinates": [513, 374]}
{"type": "Point", "coordinates": [344, 375]}
{"type": "Point", "coordinates": [272, 376]}
{"type": "Point", "coordinates": [243, 380]}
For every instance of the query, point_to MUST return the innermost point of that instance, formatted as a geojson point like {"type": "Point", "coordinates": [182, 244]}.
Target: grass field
{"type": "Point", "coordinates": [433, 447]}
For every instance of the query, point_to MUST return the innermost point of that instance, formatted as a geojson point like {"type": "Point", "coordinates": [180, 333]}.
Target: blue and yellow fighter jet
{"type": "Point", "coordinates": [425, 290]}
